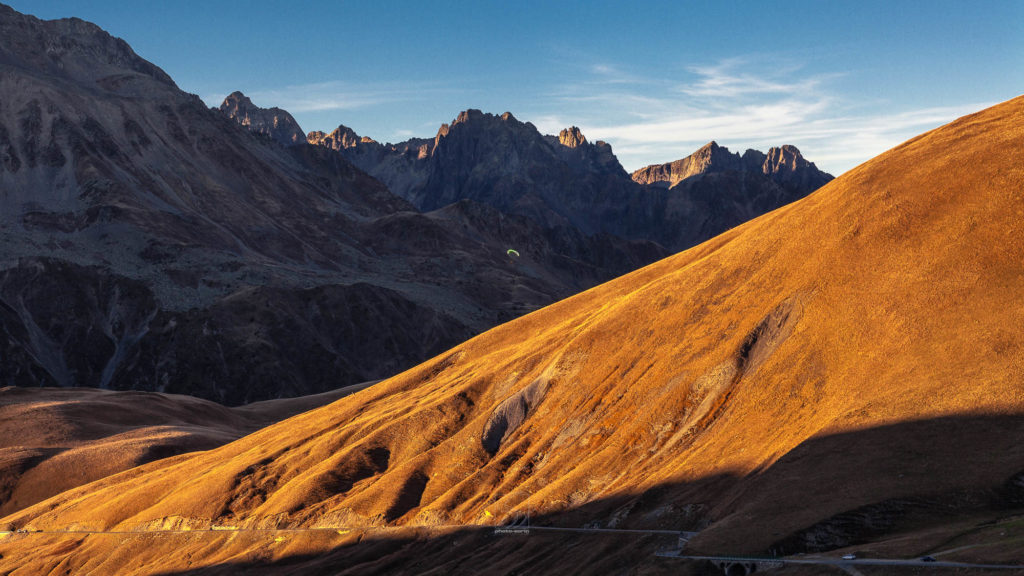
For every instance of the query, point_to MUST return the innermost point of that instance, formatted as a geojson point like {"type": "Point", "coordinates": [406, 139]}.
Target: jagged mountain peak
{"type": "Point", "coordinates": [571, 137]}
{"type": "Point", "coordinates": [786, 156]}
{"type": "Point", "coordinates": [708, 158]}
{"type": "Point", "coordinates": [342, 137]}
{"type": "Point", "coordinates": [240, 100]}
{"type": "Point", "coordinates": [274, 122]}
{"type": "Point", "coordinates": [787, 164]}
{"type": "Point", "coordinates": [507, 163]}
{"type": "Point", "coordinates": [713, 153]}
{"type": "Point", "coordinates": [475, 117]}
{"type": "Point", "coordinates": [469, 115]}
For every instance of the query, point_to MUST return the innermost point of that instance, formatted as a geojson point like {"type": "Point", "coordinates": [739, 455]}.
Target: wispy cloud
{"type": "Point", "coordinates": [741, 102]}
{"type": "Point", "coordinates": [611, 74]}
{"type": "Point", "coordinates": [731, 78]}
{"type": "Point", "coordinates": [339, 95]}
{"type": "Point", "coordinates": [744, 102]}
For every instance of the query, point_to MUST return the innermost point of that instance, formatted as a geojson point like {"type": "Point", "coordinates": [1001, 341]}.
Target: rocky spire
{"type": "Point", "coordinates": [786, 164]}
{"type": "Point", "coordinates": [571, 137]}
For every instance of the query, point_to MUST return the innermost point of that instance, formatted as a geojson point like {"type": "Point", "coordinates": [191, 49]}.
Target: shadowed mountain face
{"type": "Point", "coordinates": [713, 190]}
{"type": "Point", "coordinates": [151, 242]}
{"type": "Point", "coordinates": [846, 366]}
{"type": "Point", "coordinates": [278, 341]}
{"type": "Point", "coordinates": [569, 181]}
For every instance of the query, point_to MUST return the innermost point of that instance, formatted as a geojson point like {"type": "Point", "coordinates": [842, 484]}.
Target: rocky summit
{"type": "Point", "coordinates": [571, 137]}
{"type": "Point", "coordinates": [273, 122]}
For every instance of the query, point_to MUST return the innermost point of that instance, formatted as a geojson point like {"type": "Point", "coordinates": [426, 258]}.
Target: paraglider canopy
{"type": "Point", "coordinates": [512, 252]}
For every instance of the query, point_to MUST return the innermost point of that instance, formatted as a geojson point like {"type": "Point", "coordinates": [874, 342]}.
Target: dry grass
{"type": "Point", "coordinates": [680, 395]}
{"type": "Point", "coordinates": [55, 439]}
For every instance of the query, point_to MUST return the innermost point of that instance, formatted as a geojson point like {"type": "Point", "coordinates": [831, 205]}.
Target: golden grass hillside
{"type": "Point", "coordinates": [54, 439]}
{"type": "Point", "coordinates": [857, 347]}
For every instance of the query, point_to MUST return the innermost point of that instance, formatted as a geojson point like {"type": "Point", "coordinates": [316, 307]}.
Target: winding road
{"type": "Point", "coordinates": [519, 527]}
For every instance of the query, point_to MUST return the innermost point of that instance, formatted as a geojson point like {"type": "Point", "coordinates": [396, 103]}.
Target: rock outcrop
{"type": "Point", "coordinates": [343, 137]}
{"type": "Point", "coordinates": [571, 137]}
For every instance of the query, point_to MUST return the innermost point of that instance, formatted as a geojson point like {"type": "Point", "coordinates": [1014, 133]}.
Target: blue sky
{"type": "Point", "coordinates": [843, 81]}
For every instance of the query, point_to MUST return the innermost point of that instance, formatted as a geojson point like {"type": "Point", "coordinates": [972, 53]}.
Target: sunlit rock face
{"type": "Point", "coordinates": [571, 137]}
{"type": "Point", "coordinates": [783, 165]}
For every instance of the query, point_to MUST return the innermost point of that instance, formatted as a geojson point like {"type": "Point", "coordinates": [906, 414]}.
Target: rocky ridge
{"type": "Point", "coordinates": [784, 165]}
{"type": "Point", "coordinates": [566, 180]}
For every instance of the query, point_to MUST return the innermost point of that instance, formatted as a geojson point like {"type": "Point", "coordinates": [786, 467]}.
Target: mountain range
{"type": "Point", "coordinates": [150, 242]}
{"type": "Point", "coordinates": [569, 181]}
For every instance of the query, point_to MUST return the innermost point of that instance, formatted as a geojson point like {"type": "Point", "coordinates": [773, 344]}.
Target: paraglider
{"type": "Point", "coordinates": [512, 253]}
